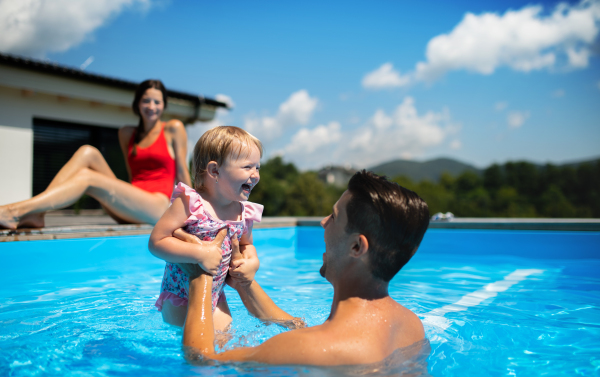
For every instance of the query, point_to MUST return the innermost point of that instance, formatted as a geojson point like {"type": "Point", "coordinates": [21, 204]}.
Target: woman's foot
{"type": "Point", "coordinates": [8, 218]}
{"type": "Point", "coordinates": [33, 220]}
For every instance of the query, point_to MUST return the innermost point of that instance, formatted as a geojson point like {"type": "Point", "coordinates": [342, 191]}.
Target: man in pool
{"type": "Point", "coordinates": [374, 229]}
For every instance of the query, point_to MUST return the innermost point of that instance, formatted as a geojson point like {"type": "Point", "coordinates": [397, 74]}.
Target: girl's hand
{"type": "Point", "coordinates": [243, 264]}
{"type": "Point", "coordinates": [209, 253]}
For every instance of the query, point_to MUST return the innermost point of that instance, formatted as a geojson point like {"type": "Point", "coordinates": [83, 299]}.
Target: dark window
{"type": "Point", "coordinates": [55, 142]}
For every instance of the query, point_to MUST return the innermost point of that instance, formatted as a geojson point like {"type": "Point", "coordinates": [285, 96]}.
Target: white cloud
{"type": "Point", "coordinates": [403, 133]}
{"type": "Point", "coordinates": [295, 111]}
{"type": "Point", "coordinates": [35, 27]}
{"type": "Point", "coordinates": [515, 119]}
{"type": "Point", "coordinates": [385, 77]}
{"type": "Point", "coordinates": [523, 40]}
{"type": "Point", "coordinates": [226, 100]}
{"type": "Point", "coordinates": [455, 144]}
{"type": "Point", "coordinates": [499, 106]}
{"type": "Point", "coordinates": [558, 93]}
{"type": "Point", "coordinates": [307, 141]}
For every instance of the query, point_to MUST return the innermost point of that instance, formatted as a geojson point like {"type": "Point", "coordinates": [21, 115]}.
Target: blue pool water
{"type": "Point", "coordinates": [493, 303]}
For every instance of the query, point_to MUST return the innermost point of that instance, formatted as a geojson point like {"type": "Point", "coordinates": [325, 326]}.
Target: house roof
{"type": "Point", "coordinates": [78, 74]}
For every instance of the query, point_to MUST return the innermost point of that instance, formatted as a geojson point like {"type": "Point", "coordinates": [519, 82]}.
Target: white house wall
{"type": "Point", "coordinates": [16, 154]}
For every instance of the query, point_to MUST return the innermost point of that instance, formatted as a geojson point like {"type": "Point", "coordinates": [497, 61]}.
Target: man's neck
{"type": "Point", "coordinates": [358, 292]}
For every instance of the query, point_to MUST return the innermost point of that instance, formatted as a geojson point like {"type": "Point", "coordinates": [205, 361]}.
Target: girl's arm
{"type": "Point", "coordinates": [163, 245]}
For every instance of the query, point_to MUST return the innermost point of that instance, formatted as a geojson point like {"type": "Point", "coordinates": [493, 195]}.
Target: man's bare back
{"type": "Point", "coordinates": [359, 333]}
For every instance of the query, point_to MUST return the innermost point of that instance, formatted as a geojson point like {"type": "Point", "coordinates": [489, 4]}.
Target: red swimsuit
{"type": "Point", "coordinates": [152, 168]}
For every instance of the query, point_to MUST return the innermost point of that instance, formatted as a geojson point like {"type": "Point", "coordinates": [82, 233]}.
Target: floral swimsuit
{"type": "Point", "coordinates": [175, 282]}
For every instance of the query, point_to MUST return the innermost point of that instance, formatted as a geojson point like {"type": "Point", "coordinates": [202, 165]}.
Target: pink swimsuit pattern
{"type": "Point", "coordinates": [175, 282]}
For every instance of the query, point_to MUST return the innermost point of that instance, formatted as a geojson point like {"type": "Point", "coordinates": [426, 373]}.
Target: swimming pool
{"type": "Point", "coordinates": [493, 303]}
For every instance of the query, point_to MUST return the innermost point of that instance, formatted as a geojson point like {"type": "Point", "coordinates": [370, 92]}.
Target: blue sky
{"type": "Point", "coordinates": [351, 82]}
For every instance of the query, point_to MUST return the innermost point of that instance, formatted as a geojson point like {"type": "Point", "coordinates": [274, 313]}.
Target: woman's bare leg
{"type": "Point", "coordinates": [120, 198]}
{"type": "Point", "coordinates": [85, 157]}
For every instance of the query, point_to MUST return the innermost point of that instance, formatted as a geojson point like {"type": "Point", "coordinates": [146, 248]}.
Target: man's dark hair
{"type": "Point", "coordinates": [391, 217]}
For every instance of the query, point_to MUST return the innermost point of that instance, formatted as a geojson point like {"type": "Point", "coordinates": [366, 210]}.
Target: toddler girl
{"type": "Point", "coordinates": [226, 163]}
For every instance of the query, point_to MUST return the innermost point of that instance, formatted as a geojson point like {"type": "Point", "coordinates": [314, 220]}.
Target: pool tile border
{"type": "Point", "coordinates": [85, 231]}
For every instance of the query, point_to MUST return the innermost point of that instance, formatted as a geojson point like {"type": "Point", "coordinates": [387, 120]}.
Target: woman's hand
{"type": "Point", "coordinates": [210, 254]}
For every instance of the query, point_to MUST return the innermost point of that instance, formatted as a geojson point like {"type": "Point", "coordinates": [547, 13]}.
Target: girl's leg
{"type": "Point", "coordinates": [85, 157]}
{"type": "Point", "coordinates": [222, 316]}
{"type": "Point", "coordinates": [173, 315]}
{"type": "Point", "coordinates": [120, 198]}
{"type": "Point", "coordinates": [222, 322]}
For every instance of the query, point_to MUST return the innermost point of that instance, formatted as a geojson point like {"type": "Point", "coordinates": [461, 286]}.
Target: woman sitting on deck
{"type": "Point", "coordinates": [155, 154]}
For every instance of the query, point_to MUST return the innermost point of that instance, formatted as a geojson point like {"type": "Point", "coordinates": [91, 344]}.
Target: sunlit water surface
{"type": "Point", "coordinates": [492, 302]}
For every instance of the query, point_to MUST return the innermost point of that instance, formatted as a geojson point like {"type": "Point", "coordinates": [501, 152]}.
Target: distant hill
{"type": "Point", "coordinates": [577, 163]}
{"type": "Point", "coordinates": [419, 171]}
{"type": "Point", "coordinates": [432, 170]}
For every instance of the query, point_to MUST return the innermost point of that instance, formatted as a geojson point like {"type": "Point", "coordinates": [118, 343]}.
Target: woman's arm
{"type": "Point", "coordinates": [179, 142]}
{"type": "Point", "coordinates": [125, 134]}
{"type": "Point", "coordinates": [163, 245]}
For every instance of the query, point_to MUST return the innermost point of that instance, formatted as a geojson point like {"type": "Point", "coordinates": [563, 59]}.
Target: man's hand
{"type": "Point", "coordinates": [243, 265]}
{"type": "Point", "coordinates": [210, 255]}
{"type": "Point", "coordinates": [192, 270]}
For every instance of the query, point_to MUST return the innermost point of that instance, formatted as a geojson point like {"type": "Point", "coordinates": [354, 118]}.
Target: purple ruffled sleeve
{"type": "Point", "coordinates": [195, 202]}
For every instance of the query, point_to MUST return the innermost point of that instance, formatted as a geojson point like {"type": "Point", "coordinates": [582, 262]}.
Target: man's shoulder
{"type": "Point", "coordinates": [302, 346]}
{"type": "Point", "coordinates": [407, 325]}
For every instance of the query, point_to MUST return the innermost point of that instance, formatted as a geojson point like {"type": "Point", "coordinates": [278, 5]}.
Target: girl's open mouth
{"type": "Point", "coordinates": [246, 187]}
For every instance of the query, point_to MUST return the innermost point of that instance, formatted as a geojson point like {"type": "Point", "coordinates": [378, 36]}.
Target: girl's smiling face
{"type": "Point", "coordinates": [239, 174]}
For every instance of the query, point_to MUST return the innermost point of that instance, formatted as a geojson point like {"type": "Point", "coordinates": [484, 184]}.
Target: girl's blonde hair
{"type": "Point", "coordinates": [218, 144]}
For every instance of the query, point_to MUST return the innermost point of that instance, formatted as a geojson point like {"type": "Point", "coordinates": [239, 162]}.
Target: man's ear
{"type": "Point", "coordinates": [360, 246]}
{"type": "Point", "coordinates": [212, 169]}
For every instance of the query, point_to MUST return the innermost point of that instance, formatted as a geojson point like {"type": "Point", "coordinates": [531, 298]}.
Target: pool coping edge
{"type": "Point", "coordinates": [85, 231]}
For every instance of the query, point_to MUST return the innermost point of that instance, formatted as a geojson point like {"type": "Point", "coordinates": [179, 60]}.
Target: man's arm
{"type": "Point", "coordinates": [292, 347]}
{"type": "Point", "coordinates": [260, 305]}
{"type": "Point", "coordinates": [198, 330]}
{"type": "Point", "coordinates": [256, 300]}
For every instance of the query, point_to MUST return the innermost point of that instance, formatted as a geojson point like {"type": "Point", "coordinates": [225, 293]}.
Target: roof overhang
{"type": "Point", "coordinates": [48, 78]}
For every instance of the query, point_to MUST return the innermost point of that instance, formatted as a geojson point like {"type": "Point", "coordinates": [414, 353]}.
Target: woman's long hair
{"type": "Point", "coordinates": [139, 92]}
